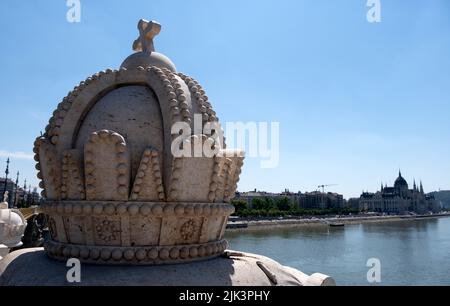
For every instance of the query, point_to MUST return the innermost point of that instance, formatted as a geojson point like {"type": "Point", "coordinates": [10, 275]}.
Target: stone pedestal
{"type": "Point", "coordinates": [138, 183]}
{"type": "Point", "coordinates": [4, 250]}
{"type": "Point", "coordinates": [31, 267]}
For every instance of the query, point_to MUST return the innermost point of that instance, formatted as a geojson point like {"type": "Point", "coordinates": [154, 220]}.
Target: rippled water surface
{"type": "Point", "coordinates": [411, 252]}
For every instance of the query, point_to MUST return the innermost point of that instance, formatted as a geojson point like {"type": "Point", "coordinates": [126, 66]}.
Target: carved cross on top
{"type": "Point", "coordinates": [147, 31]}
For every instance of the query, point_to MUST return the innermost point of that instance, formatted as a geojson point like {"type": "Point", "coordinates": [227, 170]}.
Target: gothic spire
{"type": "Point", "coordinates": [7, 168]}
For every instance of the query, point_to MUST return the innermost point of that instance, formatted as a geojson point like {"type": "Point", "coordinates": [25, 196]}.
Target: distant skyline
{"type": "Point", "coordinates": [389, 183]}
{"type": "Point", "coordinates": [356, 101]}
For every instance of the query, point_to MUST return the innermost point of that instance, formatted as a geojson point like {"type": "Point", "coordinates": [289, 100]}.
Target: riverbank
{"type": "Point", "coordinates": [242, 224]}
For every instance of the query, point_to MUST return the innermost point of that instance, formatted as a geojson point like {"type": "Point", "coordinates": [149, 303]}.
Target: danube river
{"type": "Point", "coordinates": [410, 252]}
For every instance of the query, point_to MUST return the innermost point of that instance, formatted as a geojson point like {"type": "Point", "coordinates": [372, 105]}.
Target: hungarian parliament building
{"type": "Point", "coordinates": [399, 199]}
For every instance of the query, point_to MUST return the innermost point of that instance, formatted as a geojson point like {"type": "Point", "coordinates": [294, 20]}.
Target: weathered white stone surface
{"type": "Point", "coordinates": [131, 111]}
{"type": "Point", "coordinates": [12, 227]}
{"type": "Point", "coordinates": [146, 55]}
{"type": "Point", "coordinates": [4, 250]}
{"type": "Point", "coordinates": [117, 195]}
{"type": "Point", "coordinates": [240, 269]}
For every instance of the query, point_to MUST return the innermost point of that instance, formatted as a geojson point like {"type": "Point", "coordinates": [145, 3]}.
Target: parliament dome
{"type": "Point", "coordinates": [400, 182]}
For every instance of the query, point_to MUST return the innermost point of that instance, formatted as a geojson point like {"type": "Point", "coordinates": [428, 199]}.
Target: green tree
{"type": "Point", "coordinates": [240, 206]}
{"type": "Point", "coordinates": [262, 204]}
{"type": "Point", "coordinates": [257, 203]}
{"type": "Point", "coordinates": [283, 204]}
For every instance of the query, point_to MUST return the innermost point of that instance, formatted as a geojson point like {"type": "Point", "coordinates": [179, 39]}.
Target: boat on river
{"type": "Point", "coordinates": [335, 224]}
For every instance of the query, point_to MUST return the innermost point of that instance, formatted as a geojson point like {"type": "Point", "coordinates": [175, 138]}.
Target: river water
{"type": "Point", "coordinates": [410, 252]}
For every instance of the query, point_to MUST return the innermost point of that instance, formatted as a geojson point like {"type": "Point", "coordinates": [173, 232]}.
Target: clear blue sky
{"type": "Point", "coordinates": [355, 100]}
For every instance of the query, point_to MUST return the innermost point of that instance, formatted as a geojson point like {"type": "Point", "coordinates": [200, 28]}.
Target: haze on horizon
{"type": "Point", "coordinates": [356, 101]}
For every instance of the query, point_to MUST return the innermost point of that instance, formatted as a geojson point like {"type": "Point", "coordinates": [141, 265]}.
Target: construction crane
{"type": "Point", "coordinates": [323, 186]}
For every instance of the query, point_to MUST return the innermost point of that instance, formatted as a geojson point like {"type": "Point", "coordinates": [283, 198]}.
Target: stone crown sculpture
{"type": "Point", "coordinates": [115, 193]}
{"type": "Point", "coordinates": [12, 227]}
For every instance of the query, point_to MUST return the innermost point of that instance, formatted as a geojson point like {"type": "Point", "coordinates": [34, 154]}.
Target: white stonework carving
{"type": "Point", "coordinates": [12, 227]}
{"type": "Point", "coordinates": [116, 195]}
{"type": "Point", "coordinates": [109, 177]}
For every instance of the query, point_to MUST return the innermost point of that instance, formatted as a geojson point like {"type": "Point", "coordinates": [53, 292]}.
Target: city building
{"type": "Point", "coordinates": [321, 200]}
{"type": "Point", "coordinates": [352, 203]}
{"type": "Point", "coordinates": [33, 197]}
{"type": "Point", "coordinates": [18, 196]}
{"type": "Point", "coordinates": [10, 187]}
{"type": "Point", "coordinates": [399, 199]}
{"type": "Point", "coordinates": [255, 194]}
{"type": "Point", "coordinates": [308, 200]}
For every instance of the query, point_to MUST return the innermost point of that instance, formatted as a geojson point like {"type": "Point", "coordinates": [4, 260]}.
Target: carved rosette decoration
{"type": "Point", "coordinates": [115, 193]}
